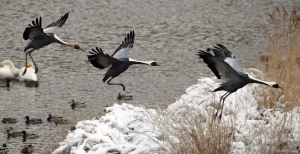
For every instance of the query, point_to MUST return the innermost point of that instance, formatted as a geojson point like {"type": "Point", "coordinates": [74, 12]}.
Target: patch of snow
{"type": "Point", "coordinates": [129, 129]}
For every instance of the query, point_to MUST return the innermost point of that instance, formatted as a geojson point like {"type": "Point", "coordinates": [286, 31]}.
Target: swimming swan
{"type": "Point", "coordinates": [8, 70]}
{"type": "Point", "coordinates": [29, 75]}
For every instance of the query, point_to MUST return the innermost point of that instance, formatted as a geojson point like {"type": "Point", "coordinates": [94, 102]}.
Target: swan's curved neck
{"type": "Point", "coordinates": [8, 62]}
{"type": "Point", "coordinates": [12, 67]}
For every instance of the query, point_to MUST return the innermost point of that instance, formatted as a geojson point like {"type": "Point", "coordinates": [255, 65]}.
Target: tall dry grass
{"type": "Point", "coordinates": [281, 62]}
{"type": "Point", "coordinates": [184, 132]}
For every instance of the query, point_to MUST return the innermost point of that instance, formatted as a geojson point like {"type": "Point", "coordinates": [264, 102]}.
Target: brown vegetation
{"type": "Point", "coordinates": [187, 133]}
{"type": "Point", "coordinates": [281, 62]}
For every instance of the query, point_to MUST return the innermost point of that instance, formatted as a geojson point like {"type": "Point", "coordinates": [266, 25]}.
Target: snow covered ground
{"type": "Point", "coordinates": [129, 129]}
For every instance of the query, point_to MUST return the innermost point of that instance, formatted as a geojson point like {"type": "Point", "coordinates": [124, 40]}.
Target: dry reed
{"type": "Point", "coordinates": [281, 61]}
{"type": "Point", "coordinates": [187, 133]}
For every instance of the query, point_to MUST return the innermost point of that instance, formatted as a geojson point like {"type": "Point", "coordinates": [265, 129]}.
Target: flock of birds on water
{"type": "Point", "coordinates": [222, 63]}
{"type": "Point", "coordinates": [57, 120]}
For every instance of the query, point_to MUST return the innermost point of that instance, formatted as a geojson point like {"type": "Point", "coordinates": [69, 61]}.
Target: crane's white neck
{"type": "Point", "coordinates": [141, 62]}
{"type": "Point", "coordinates": [72, 45]}
{"type": "Point", "coordinates": [58, 40]}
{"type": "Point", "coordinates": [262, 82]}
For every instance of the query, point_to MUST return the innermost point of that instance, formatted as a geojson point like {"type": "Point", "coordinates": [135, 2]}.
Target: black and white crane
{"type": "Point", "coordinates": [40, 37]}
{"type": "Point", "coordinates": [226, 67]}
{"type": "Point", "coordinates": [118, 62]}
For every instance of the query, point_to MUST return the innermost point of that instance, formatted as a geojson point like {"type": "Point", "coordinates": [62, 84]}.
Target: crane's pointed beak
{"type": "Point", "coordinates": [281, 88]}
{"type": "Point", "coordinates": [83, 50]}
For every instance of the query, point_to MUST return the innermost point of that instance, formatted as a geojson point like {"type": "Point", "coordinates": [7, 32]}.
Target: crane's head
{"type": "Point", "coordinates": [153, 63]}
{"type": "Point", "coordinates": [275, 85]}
{"type": "Point", "coordinates": [75, 46]}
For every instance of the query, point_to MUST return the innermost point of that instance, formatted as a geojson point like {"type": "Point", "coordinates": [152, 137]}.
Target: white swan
{"type": "Point", "coordinates": [8, 70]}
{"type": "Point", "coordinates": [29, 75]}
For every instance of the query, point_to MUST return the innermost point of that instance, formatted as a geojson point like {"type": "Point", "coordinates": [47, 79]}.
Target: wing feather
{"type": "Point", "coordinates": [220, 68]}
{"type": "Point", "coordinates": [100, 60]}
{"type": "Point", "coordinates": [223, 53]}
{"type": "Point", "coordinates": [35, 30]}
{"type": "Point", "coordinates": [226, 51]}
{"type": "Point", "coordinates": [221, 49]}
{"type": "Point", "coordinates": [58, 24]}
{"type": "Point", "coordinates": [125, 46]}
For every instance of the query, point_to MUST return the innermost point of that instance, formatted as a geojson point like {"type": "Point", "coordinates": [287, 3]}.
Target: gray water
{"type": "Point", "coordinates": [169, 32]}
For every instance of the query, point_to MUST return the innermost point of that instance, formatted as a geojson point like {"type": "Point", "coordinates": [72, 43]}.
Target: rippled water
{"type": "Point", "coordinates": [169, 32]}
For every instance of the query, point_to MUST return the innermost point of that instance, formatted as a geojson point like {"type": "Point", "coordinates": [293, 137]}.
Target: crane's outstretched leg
{"type": "Point", "coordinates": [108, 82]}
{"type": "Point", "coordinates": [220, 116]}
{"type": "Point", "coordinates": [26, 53]}
{"type": "Point", "coordinates": [216, 114]}
{"type": "Point", "coordinates": [222, 99]}
{"type": "Point", "coordinates": [36, 68]}
{"type": "Point", "coordinates": [25, 64]}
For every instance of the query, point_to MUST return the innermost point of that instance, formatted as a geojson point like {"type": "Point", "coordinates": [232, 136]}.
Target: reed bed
{"type": "Point", "coordinates": [281, 62]}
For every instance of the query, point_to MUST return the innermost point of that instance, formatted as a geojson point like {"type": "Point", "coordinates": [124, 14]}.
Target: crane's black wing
{"type": "Point", "coordinates": [125, 46]}
{"type": "Point", "coordinates": [223, 53]}
{"type": "Point", "coordinates": [220, 68]}
{"type": "Point", "coordinates": [35, 30]}
{"type": "Point", "coordinates": [56, 25]}
{"type": "Point", "coordinates": [100, 60]}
